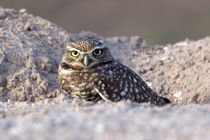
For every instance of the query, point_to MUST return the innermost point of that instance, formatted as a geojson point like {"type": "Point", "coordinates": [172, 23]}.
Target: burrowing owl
{"type": "Point", "coordinates": [88, 71]}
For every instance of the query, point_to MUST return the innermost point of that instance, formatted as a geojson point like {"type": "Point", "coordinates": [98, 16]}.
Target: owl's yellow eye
{"type": "Point", "coordinates": [75, 53]}
{"type": "Point", "coordinates": [97, 52]}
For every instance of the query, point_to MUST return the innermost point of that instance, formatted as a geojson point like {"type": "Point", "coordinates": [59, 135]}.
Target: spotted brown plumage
{"type": "Point", "coordinates": [88, 71]}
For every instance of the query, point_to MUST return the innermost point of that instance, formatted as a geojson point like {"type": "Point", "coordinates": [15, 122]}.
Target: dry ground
{"type": "Point", "coordinates": [32, 104]}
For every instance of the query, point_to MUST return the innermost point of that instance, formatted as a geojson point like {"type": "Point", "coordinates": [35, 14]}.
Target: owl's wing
{"type": "Point", "coordinates": [118, 82]}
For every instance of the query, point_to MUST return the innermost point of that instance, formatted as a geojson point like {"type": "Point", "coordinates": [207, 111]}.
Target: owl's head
{"type": "Point", "coordinates": [86, 54]}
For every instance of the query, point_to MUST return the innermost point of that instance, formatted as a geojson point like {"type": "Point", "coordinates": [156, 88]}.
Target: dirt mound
{"type": "Point", "coordinates": [30, 50]}
{"type": "Point", "coordinates": [31, 47]}
{"type": "Point", "coordinates": [29, 55]}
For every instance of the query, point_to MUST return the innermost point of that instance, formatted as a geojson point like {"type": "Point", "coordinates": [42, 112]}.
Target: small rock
{"type": "Point", "coordinates": [22, 11]}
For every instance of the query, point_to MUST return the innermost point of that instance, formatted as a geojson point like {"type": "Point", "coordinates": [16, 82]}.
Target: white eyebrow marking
{"type": "Point", "coordinates": [74, 49]}
{"type": "Point", "coordinates": [69, 47]}
{"type": "Point", "coordinates": [95, 48]}
{"type": "Point", "coordinates": [98, 47]}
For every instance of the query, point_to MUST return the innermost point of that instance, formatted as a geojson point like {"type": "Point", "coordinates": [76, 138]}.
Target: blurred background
{"type": "Point", "coordinates": [158, 22]}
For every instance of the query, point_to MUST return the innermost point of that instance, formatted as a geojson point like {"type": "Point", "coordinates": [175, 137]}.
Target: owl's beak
{"type": "Point", "coordinates": [86, 60]}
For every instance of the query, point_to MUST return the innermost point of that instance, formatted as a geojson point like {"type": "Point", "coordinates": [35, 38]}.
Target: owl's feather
{"type": "Point", "coordinates": [118, 82]}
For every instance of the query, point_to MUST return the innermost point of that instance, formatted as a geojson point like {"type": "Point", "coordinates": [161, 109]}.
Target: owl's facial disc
{"type": "Point", "coordinates": [86, 59]}
{"type": "Point", "coordinates": [86, 56]}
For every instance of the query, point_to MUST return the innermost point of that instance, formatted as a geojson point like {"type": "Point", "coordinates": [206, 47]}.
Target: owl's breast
{"type": "Point", "coordinates": [77, 84]}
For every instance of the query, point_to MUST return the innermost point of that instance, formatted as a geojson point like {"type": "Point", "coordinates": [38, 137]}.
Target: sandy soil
{"type": "Point", "coordinates": [63, 119]}
{"type": "Point", "coordinates": [32, 104]}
